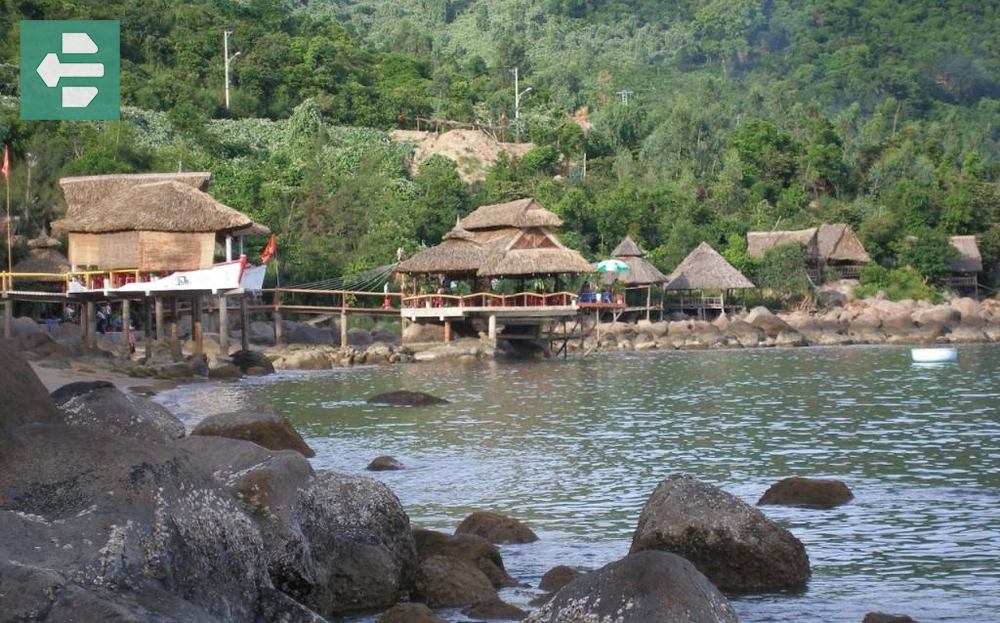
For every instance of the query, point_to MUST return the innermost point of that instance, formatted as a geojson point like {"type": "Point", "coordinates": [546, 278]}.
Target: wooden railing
{"type": "Point", "coordinates": [92, 279]}
{"type": "Point", "coordinates": [694, 302]}
{"type": "Point", "coordinates": [490, 299]}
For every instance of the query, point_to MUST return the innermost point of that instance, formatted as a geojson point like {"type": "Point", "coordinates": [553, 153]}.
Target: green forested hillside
{"type": "Point", "coordinates": [741, 114]}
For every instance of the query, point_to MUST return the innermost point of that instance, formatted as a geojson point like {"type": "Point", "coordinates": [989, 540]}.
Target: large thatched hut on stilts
{"type": "Point", "coordinates": [704, 270]}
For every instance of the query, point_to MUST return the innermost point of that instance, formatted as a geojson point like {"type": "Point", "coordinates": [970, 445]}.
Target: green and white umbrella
{"type": "Point", "coordinates": [612, 266]}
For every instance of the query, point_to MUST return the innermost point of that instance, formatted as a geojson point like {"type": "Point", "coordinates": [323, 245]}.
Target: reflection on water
{"type": "Point", "coordinates": [575, 448]}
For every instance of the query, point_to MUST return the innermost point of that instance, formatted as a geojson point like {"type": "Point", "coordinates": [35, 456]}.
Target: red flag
{"type": "Point", "coordinates": [6, 164]}
{"type": "Point", "coordinates": [269, 249]}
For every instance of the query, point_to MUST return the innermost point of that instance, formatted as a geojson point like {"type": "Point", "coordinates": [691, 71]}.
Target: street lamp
{"type": "Point", "coordinates": [228, 59]}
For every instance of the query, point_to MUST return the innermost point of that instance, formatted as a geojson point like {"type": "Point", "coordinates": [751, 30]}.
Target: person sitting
{"type": "Point", "coordinates": [587, 293]}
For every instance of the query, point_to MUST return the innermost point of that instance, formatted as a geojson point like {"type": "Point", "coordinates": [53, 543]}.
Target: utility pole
{"type": "Point", "coordinates": [518, 94]}
{"type": "Point", "coordinates": [623, 96]}
{"type": "Point", "coordinates": [228, 59]}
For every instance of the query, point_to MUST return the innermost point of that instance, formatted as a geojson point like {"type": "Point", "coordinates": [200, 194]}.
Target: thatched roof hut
{"type": "Point", "coordinates": [149, 222]}
{"type": "Point", "coordinates": [760, 242]}
{"type": "Point", "coordinates": [838, 243]}
{"type": "Point", "coordinates": [165, 206]}
{"type": "Point", "coordinates": [640, 271]}
{"type": "Point", "coordinates": [705, 269]}
{"type": "Point", "coordinates": [43, 257]}
{"type": "Point", "coordinates": [520, 213]}
{"type": "Point", "coordinates": [969, 259]}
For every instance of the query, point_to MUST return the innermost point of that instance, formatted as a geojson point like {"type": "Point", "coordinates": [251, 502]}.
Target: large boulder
{"type": "Point", "coordinates": [745, 334]}
{"type": "Point", "coordinates": [496, 528]}
{"type": "Point", "coordinates": [359, 338]}
{"type": "Point", "coordinates": [417, 332]}
{"type": "Point", "coordinates": [266, 429]}
{"type": "Point", "coordinates": [477, 550]}
{"type": "Point", "coordinates": [261, 332]}
{"type": "Point", "coordinates": [809, 492]}
{"type": "Point", "coordinates": [943, 314]}
{"type": "Point", "coordinates": [245, 360]}
{"type": "Point", "coordinates": [307, 334]}
{"type": "Point", "coordinates": [360, 542]}
{"type": "Point", "coordinates": [384, 464]}
{"type": "Point", "coordinates": [447, 582]}
{"type": "Point", "coordinates": [731, 542]}
{"type": "Point", "coordinates": [107, 410]}
{"type": "Point", "coordinates": [23, 325]}
{"type": "Point", "coordinates": [770, 324]}
{"type": "Point", "coordinates": [24, 398]}
{"type": "Point", "coordinates": [406, 398]}
{"type": "Point", "coordinates": [494, 609]}
{"type": "Point", "coordinates": [558, 577]}
{"type": "Point", "coordinates": [409, 613]}
{"type": "Point", "coordinates": [642, 587]}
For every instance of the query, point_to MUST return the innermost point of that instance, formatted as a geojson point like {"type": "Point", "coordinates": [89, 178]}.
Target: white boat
{"type": "Point", "coordinates": [934, 355]}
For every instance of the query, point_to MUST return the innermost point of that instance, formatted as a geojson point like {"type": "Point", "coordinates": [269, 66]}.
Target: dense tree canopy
{"type": "Point", "coordinates": [739, 115]}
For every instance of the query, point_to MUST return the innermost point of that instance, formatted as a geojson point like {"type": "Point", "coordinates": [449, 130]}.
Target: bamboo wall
{"type": "Point", "coordinates": [148, 251]}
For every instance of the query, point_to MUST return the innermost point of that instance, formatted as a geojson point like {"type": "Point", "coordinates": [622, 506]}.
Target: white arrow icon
{"type": "Point", "coordinates": [78, 97]}
{"type": "Point", "coordinates": [78, 43]}
{"type": "Point", "coordinates": [51, 70]}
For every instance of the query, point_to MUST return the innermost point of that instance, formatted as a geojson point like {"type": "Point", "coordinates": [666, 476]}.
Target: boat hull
{"type": "Point", "coordinates": [933, 355]}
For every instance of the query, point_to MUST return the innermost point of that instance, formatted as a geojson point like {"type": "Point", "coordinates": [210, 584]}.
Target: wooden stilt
{"type": "Point", "coordinates": [175, 342]}
{"type": "Point", "coordinates": [91, 325]}
{"type": "Point", "coordinates": [196, 328]}
{"type": "Point", "coordinates": [278, 336]}
{"type": "Point", "coordinates": [343, 328]}
{"type": "Point", "coordinates": [649, 301]}
{"type": "Point", "coordinates": [223, 326]}
{"type": "Point", "coordinates": [447, 331]}
{"type": "Point", "coordinates": [244, 322]}
{"type": "Point", "coordinates": [158, 305]}
{"type": "Point", "coordinates": [126, 324]}
{"type": "Point", "coordinates": [493, 329]}
{"type": "Point", "coordinates": [8, 318]}
{"type": "Point", "coordinates": [147, 329]}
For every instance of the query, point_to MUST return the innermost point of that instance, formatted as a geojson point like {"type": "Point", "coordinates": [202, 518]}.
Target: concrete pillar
{"type": "Point", "coordinates": [158, 310]}
{"type": "Point", "coordinates": [91, 325]}
{"type": "Point", "coordinates": [343, 328]}
{"type": "Point", "coordinates": [223, 325]}
{"type": "Point", "coordinates": [196, 328]}
{"type": "Point", "coordinates": [493, 328]}
{"type": "Point", "coordinates": [229, 248]}
{"type": "Point", "coordinates": [8, 317]}
{"type": "Point", "coordinates": [244, 320]}
{"type": "Point", "coordinates": [447, 330]}
{"type": "Point", "coordinates": [126, 319]}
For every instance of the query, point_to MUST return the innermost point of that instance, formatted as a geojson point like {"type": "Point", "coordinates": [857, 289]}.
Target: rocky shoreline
{"type": "Point", "coordinates": [113, 511]}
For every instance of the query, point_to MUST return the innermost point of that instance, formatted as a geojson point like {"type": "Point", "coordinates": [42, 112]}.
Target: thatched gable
{"type": "Point", "coordinates": [760, 242]}
{"type": "Point", "coordinates": [43, 241]}
{"type": "Point", "coordinates": [534, 251]}
{"type": "Point", "coordinates": [627, 248]}
{"type": "Point", "coordinates": [162, 206]}
{"type": "Point", "coordinates": [969, 260]}
{"type": "Point", "coordinates": [519, 213]}
{"type": "Point", "coordinates": [459, 253]}
{"type": "Point", "coordinates": [705, 269]}
{"type": "Point", "coordinates": [838, 243]}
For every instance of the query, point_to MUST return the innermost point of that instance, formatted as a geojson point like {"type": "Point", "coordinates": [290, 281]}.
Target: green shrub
{"type": "Point", "coordinates": [783, 270]}
{"type": "Point", "coordinates": [898, 284]}
{"type": "Point", "coordinates": [928, 252]}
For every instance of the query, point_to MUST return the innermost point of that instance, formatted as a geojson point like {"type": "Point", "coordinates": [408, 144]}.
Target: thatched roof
{"type": "Point", "coordinates": [544, 256]}
{"type": "Point", "coordinates": [640, 273]}
{"type": "Point", "coordinates": [705, 269]}
{"type": "Point", "coordinates": [43, 241]}
{"type": "Point", "coordinates": [169, 206]}
{"type": "Point", "coordinates": [254, 229]}
{"type": "Point", "coordinates": [969, 259]}
{"type": "Point", "coordinates": [460, 252]}
{"type": "Point", "coordinates": [838, 243]}
{"type": "Point", "coordinates": [43, 260]}
{"type": "Point", "coordinates": [519, 213]}
{"type": "Point", "coordinates": [759, 242]}
{"type": "Point", "coordinates": [627, 248]}
{"type": "Point", "coordinates": [82, 192]}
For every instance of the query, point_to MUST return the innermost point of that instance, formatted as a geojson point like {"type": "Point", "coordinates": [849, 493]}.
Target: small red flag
{"type": "Point", "coordinates": [269, 249]}
{"type": "Point", "coordinates": [6, 164]}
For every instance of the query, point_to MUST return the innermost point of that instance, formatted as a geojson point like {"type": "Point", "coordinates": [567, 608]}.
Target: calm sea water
{"type": "Point", "coordinates": [574, 449]}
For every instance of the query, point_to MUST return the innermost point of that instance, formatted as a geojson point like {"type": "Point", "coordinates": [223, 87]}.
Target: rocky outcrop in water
{"type": "Point", "coordinates": [881, 617]}
{"type": "Point", "coordinates": [127, 527]}
{"type": "Point", "coordinates": [808, 492]}
{"type": "Point", "coordinates": [409, 613]}
{"type": "Point", "coordinates": [448, 582]}
{"type": "Point", "coordinates": [731, 542]}
{"type": "Point", "coordinates": [264, 428]}
{"type": "Point", "coordinates": [406, 398]}
{"type": "Point", "coordinates": [642, 587]}
{"type": "Point", "coordinates": [384, 464]}
{"type": "Point", "coordinates": [496, 528]}
{"type": "Point", "coordinates": [477, 550]}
